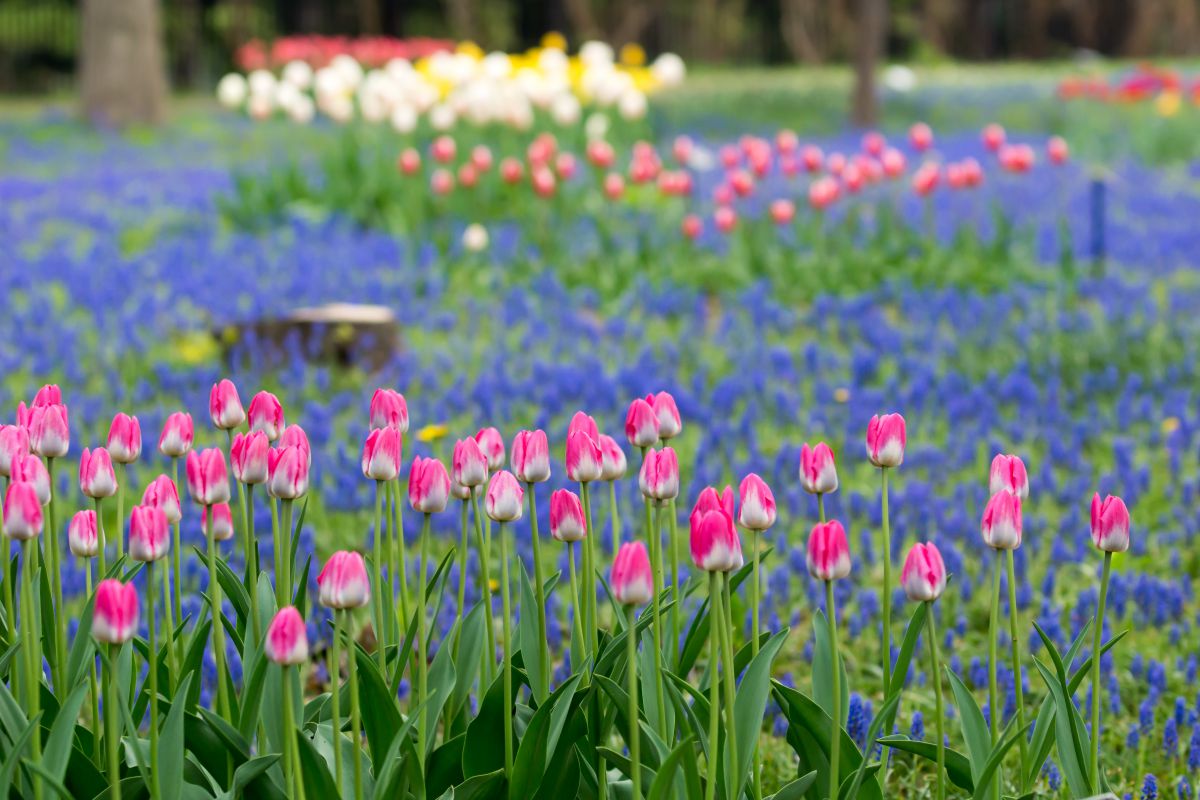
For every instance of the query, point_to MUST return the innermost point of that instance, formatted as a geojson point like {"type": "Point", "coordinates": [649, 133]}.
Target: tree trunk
{"type": "Point", "coordinates": [867, 47]}
{"type": "Point", "coordinates": [795, 17]}
{"type": "Point", "coordinates": [122, 72]}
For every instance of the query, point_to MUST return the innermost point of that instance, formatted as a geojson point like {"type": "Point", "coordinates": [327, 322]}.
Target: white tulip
{"type": "Point", "coordinates": [475, 238]}
{"type": "Point", "coordinates": [232, 90]}
{"type": "Point", "coordinates": [298, 74]}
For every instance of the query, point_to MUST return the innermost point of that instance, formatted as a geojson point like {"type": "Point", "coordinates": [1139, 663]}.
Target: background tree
{"type": "Point", "coordinates": [122, 72]}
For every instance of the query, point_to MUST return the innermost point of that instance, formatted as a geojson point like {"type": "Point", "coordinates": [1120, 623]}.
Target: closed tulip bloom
{"type": "Point", "coordinates": [149, 536]}
{"type": "Point", "coordinates": [714, 541]}
{"type": "Point", "coordinates": [125, 439]}
{"type": "Point", "coordinates": [641, 424]}
{"type": "Point", "coordinates": [294, 436]}
{"type": "Point", "coordinates": [115, 616]}
{"type": "Point", "coordinates": [924, 573]}
{"type": "Point", "coordinates": [583, 422]}
{"type": "Point", "coordinates": [886, 438]}
{"type": "Point", "coordinates": [22, 512]}
{"type": "Point", "coordinates": [1001, 523]}
{"type": "Point", "coordinates": [162, 494]}
{"type": "Point", "coordinates": [49, 431]}
{"type": "Point", "coordinates": [757, 503]}
{"type": "Point", "coordinates": [631, 578]}
{"type": "Point", "coordinates": [48, 395]}
{"type": "Point", "coordinates": [670, 424]}
{"type": "Point", "coordinates": [96, 475]}
{"type": "Point", "coordinates": [1110, 524]}
{"type": "Point", "coordinates": [567, 523]}
{"type": "Point", "coordinates": [30, 469]}
{"type": "Point", "coordinates": [470, 464]}
{"type": "Point", "coordinates": [1008, 475]}
{"type": "Point", "coordinates": [287, 473]}
{"type": "Point", "coordinates": [207, 480]}
{"type": "Point", "coordinates": [828, 553]}
{"type": "Point", "coordinates": [177, 434]}
{"type": "Point", "coordinates": [248, 455]}
{"type": "Point", "coordinates": [389, 409]}
{"type": "Point", "coordinates": [222, 522]}
{"type": "Point", "coordinates": [343, 581]}
{"type": "Point", "coordinates": [14, 443]}
{"type": "Point", "coordinates": [266, 415]}
{"type": "Point", "coordinates": [287, 638]}
{"type": "Point", "coordinates": [531, 456]}
{"type": "Point", "coordinates": [224, 406]}
{"type": "Point", "coordinates": [585, 462]}
{"type": "Point", "coordinates": [504, 496]}
{"type": "Point", "coordinates": [458, 491]}
{"type": "Point", "coordinates": [428, 486]}
{"type": "Point", "coordinates": [818, 471]}
{"type": "Point", "coordinates": [613, 463]}
{"type": "Point", "coordinates": [381, 455]}
{"type": "Point", "coordinates": [82, 536]}
{"type": "Point", "coordinates": [659, 477]}
{"type": "Point", "coordinates": [491, 444]}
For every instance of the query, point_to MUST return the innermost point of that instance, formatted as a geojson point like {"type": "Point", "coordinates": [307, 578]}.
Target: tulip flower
{"type": "Point", "coordinates": [583, 422]}
{"type": "Point", "coordinates": [1110, 534]}
{"type": "Point", "coordinates": [924, 580]}
{"type": "Point", "coordinates": [428, 486]}
{"type": "Point", "coordinates": [222, 522]}
{"type": "Point", "coordinates": [469, 469]}
{"type": "Point", "coordinates": [504, 497]}
{"type": "Point", "coordinates": [287, 645]}
{"type": "Point", "coordinates": [886, 440]}
{"type": "Point", "coordinates": [641, 424]}
{"type": "Point", "coordinates": [993, 137]}
{"type": "Point", "coordinates": [22, 512]}
{"type": "Point", "coordinates": [225, 407]}
{"type": "Point", "coordinates": [208, 481]}
{"type": "Point", "coordinates": [342, 585]}
{"type": "Point", "coordinates": [531, 456]}
{"type": "Point", "coordinates": [49, 394]}
{"type": "Point", "coordinates": [428, 492]}
{"type": "Point", "coordinates": [49, 431]}
{"type": "Point", "coordinates": [585, 462]}
{"type": "Point", "coordinates": [177, 434]}
{"type": "Point", "coordinates": [757, 514]}
{"type": "Point", "coordinates": [287, 473]}
{"type": "Point", "coordinates": [818, 472]}
{"type": "Point", "coordinates": [1008, 475]}
{"type": "Point", "coordinates": [1057, 150]}
{"type": "Point", "coordinates": [713, 539]}
{"type": "Point", "coordinates": [114, 619]}
{"type": "Point", "coordinates": [14, 443]}
{"type": "Point", "coordinates": [470, 465]}
{"type": "Point", "coordinates": [294, 436]}
{"type": "Point", "coordinates": [248, 457]}
{"type": "Point", "coordinates": [613, 463]}
{"type": "Point", "coordinates": [266, 414]}
{"type": "Point", "coordinates": [96, 476]}
{"type": "Point", "coordinates": [1001, 524]}
{"type": "Point", "coordinates": [389, 409]}
{"type": "Point", "coordinates": [149, 539]}
{"type": "Point", "coordinates": [381, 455]}
{"type": "Point", "coordinates": [692, 226]}
{"type": "Point", "coordinates": [633, 585]}
{"type": "Point", "coordinates": [670, 424]}
{"type": "Point", "coordinates": [125, 439]}
{"type": "Point", "coordinates": [491, 444]}
{"type": "Point", "coordinates": [920, 136]}
{"type": "Point", "coordinates": [828, 561]}
{"type": "Point", "coordinates": [82, 535]}
{"type": "Point", "coordinates": [659, 476]}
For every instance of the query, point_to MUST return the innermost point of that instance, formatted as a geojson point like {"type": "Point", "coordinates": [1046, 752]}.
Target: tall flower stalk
{"type": "Point", "coordinates": [829, 560]}
{"type": "Point", "coordinates": [343, 585]}
{"type": "Point", "coordinates": [1001, 528]}
{"type": "Point", "coordinates": [114, 621]}
{"type": "Point", "coordinates": [924, 580]}
{"type": "Point", "coordinates": [287, 645]}
{"type": "Point", "coordinates": [504, 505]}
{"type": "Point", "coordinates": [633, 585]}
{"type": "Point", "coordinates": [1110, 534]}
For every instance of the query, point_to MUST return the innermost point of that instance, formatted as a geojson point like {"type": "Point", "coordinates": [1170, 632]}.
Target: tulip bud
{"type": "Point", "coordinates": [207, 480]}
{"type": "Point", "coordinates": [670, 424]}
{"type": "Point", "coordinates": [828, 553]}
{"type": "Point", "coordinates": [343, 581]}
{"type": "Point", "coordinates": [583, 422]}
{"type": "Point", "coordinates": [82, 536]}
{"type": "Point", "coordinates": [993, 137]}
{"type": "Point", "coordinates": [48, 395]}
{"type": "Point", "coordinates": [631, 578]}
{"type": "Point", "coordinates": [49, 431]}
{"type": "Point", "coordinates": [125, 439]}
{"type": "Point", "coordinates": [381, 455]}
{"type": "Point", "coordinates": [531, 456]}
{"type": "Point", "coordinates": [14, 443]}
{"type": "Point", "coordinates": [266, 414]}
{"type": "Point", "coordinates": [714, 540]}
{"type": "Point", "coordinates": [1008, 475]}
{"type": "Point", "coordinates": [389, 409]}
{"type": "Point", "coordinates": [287, 638]}
{"type": "Point", "coordinates": [1001, 525]}
{"type": "Point", "coordinates": [585, 462]}
{"type": "Point", "coordinates": [567, 523]}
{"type": "Point", "coordinates": [248, 455]}
{"type": "Point", "coordinates": [30, 469]}
{"type": "Point", "coordinates": [1110, 524]}
{"type": "Point", "coordinates": [148, 534]}
{"type": "Point", "coordinates": [224, 405]}
{"type": "Point", "coordinates": [22, 512]}
{"type": "Point", "coordinates": [428, 486]}
{"type": "Point", "coordinates": [1057, 150]}
{"type": "Point", "coordinates": [920, 136]}
{"type": "Point", "coordinates": [612, 464]}
{"type": "Point", "coordinates": [924, 573]}
{"type": "Point", "coordinates": [470, 464]}
{"type": "Point", "coordinates": [162, 494]}
{"type": "Point", "coordinates": [294, 436]}
{"type": "Point", "coordinates": [96, 475]}
{"type": "Point", "coordinates": [115, 615]}
{"type": "Point", "coordinates": [177, 434]}
{"type": "Point", "coordinates": [818, 472]}
{"type": "Point", "coordinates": [659, 476]}
{"type": "Point", "coordinates": [222, 522]}
{"type": "Point", "coordinates": [886, 438]}
{"type": "Point", "coordinates": [504, 496]}
{"type": "Point", "coordinates": [757, 504]}
{"type": "Point", "coordinates": [491, 443]}
{"type": "Point", "coordinates": [641, 424]}
{"type": "Point", "coordinates": [287, 473]}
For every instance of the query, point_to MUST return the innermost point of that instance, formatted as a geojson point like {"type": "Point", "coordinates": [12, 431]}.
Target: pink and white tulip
{"type": "Point", "coordinates": [531, 456]}
{"type": "Point", "coordinates": [287, 473]}
{"type": "Point", "coordinates": [1110, 524]}
{"type": "Point", "coordinates": [222, 522]}
{"type": "Point", "coordinates": [828, 552]}
{"type": "Point", "coordinates": [248, 455]}
{"type": "Point", "coordinates": [757, 504]}
{"type": "Point", "coordinates": [470, 465]}
{"type": "Point", "coordinates": [1008, 475]}
{"type": "Point", "coordinates": [504, 497]}
{"type": "Point", "coordinates": [381, 455]}
{"type": "Point", "coordinates": [14, 443]}
{"type": "Point", "coordinates": [641, 424]}
{"type": "Point", "coordinates": [49, 430]}
{"type": "Point", "coordinates": [428, 486]}
{"type": "Point", "coordinates": [659, 476]}
{"type": "Point", "coordinates": [714, 541]}
{"type": "Point", "coordinates": [491, 444]}
{"type": "Point", "coordinates": [631, 579]}
{"type": "Point", "coordinates": [585, 461]}
{"type": "Point", "coordinates": [583, 422]}
{"type": "Point", "coordinates": [225, 406]}
{"type": "Point", "coordinates": [82, 534]}
{"type": "Point", "coordinates": [162, 494]}
{"type": "Point", "coordinates": [818, 470]}
{"type": "Point", "coordinates": [1001, 524]}
{"type": "Point", "coordinates": [207, 479]}
{"type": "Point", "coordinates": [22, 512]}
{"type": "Point", "coordinates": [96, 475]}
{"type": "Point", "coordinates": [125, 439]}
{"type": "Point", "coordinates": [115, 616]}
{"type": "Point", "coordinates": [287, 638]}
{"type": "Point", "coordinates": [886, 440]}
{"type": "Point", "coordinates": [343, 581]}
{"type": "Point", "coordinates": [924, 573]}
{"type": "Point", "coordinates": [266, 414]}
{"type": "Point", "coordinates": [613, 463]}
{"type": "Point", "coordinates": [149, 535]}
{"type": "Point", "coordinates": [567, 523]}
{"type": "Point", "coordinates": [177, 434]}
{"type": "Point", "coordinates": [389, 409]}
